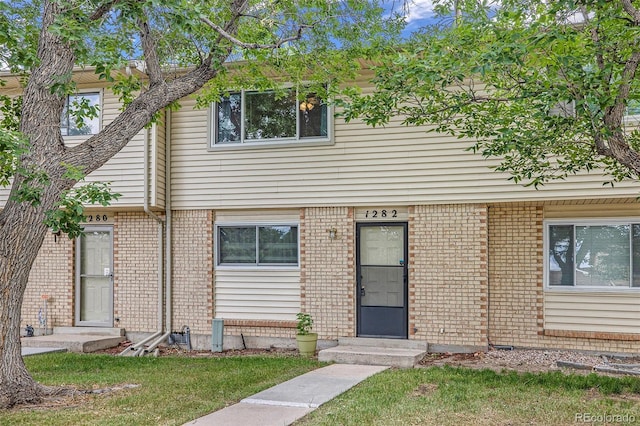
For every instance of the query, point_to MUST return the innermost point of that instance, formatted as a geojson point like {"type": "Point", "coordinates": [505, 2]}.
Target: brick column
{"type": "Point", "coordinates": [327, 275]}
{"type": "Point", "coordinates": [448, 274]}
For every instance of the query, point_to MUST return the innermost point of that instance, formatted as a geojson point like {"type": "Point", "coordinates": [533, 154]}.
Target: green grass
{"type": "Point", "coordinates": [172, 390]}
{"type": "Point", "coordinates": [458, 396]}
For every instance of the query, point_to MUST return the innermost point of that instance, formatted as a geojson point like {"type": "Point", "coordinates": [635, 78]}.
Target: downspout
{"type": "Point", "coordinates": [168, 241]}
{"type": "Point", "coordinates": [169, 221]}
{"type": "Point", "coordinates": [139, 348]}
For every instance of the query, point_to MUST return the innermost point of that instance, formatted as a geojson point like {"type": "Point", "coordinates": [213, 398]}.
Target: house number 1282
{"type": "Point", "coordinates": [380, 213]}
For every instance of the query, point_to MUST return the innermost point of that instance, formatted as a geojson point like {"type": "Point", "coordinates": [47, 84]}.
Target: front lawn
{"type": "Point", "coordinates": [461, 396]}
{"type": "Point", "coordinates": [171, 390]}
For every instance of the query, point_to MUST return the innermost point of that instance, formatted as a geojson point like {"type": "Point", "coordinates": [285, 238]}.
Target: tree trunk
{"type": "Point", "coordinates": [22, 228]}
{"type": "Point", "coordinates": [22, 223]}
{"type": "Point", "coordinates": [22, 233]}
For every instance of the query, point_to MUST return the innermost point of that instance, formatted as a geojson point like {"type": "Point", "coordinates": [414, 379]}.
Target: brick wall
{"type": "Point", "coordinates": [52, 275]}
{"type": "Point", "coordinates": [448, 274]}
{"type": "Point", "coordinates": [516, 300]}
{"type": "Point", "coordinates": [265, 328]}
{"type": "Point", "coordinates": [193, 270]}
{"type": "Point", "coordinates": [515, 275]}
{"type": "Point", "coordinates": [327, 270]}
{"type": "Point", "coordinates": [135, 272]}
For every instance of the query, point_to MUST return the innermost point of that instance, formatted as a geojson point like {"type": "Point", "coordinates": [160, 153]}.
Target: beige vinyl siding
{"type": "Point", "coordinates": [158, 165]}
{"type": "Point", "coordinates": [631, 209]}
{"type": "Point", "coordinates": [125, 170]}
{"type": "Point", "coordinates": [265, 293]}
{"type": "Point", "coordinates": [365, 166]}
{"type": "Point", "coordinates": [592, 311]}
{"type": "Point", "coordinates": [257, 294]}
{"type": "Point", "coordinates": [258, 216]}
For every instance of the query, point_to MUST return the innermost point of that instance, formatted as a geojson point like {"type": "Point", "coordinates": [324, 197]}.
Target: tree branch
{"type": "Point", "coordinates": [245, 45]}
{"type": "Point", "coordinates": [103, 10]}
{"type": "Point", "coordinates": [595, 37]}
{"type": "Point", "coordinates": [628, 7]}
{"type": "Point", "coordinates": [238, 8]}
{"type": "Point", "coordinates": [154, 71]}
{"type": "Point", "coordinates": [614, 116]}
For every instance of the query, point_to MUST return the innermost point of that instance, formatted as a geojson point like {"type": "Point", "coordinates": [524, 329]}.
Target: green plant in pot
{"type": "Point", "coordinates": [307, 340]}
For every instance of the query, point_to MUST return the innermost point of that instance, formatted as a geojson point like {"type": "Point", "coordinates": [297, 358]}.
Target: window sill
{"type": "Point", "coordinates": [573, 289]}
{"type": "Point", "coordinates": [256, 268]}
{"type": "Point", "coordinates": [270, 145]}
{"type": "Point", "coordinates": [74, 140]}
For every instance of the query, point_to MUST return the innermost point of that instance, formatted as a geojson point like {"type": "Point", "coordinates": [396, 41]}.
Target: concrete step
{"type": "Point", "coordinates": [384, 343]}
{"type": "Point", "coordinates": [81, 343]}
{"type": "Point", "coordinates": [94, 331]}
{"type": "Point", "coordinates": [373, 355]}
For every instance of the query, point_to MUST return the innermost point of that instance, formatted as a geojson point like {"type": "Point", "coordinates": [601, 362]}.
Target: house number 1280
{"type": "Point", "coordinates": [381, 213]}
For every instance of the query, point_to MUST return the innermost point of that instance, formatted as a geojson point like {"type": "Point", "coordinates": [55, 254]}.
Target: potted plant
{"type": "Point", "coordinates": [306, 339]}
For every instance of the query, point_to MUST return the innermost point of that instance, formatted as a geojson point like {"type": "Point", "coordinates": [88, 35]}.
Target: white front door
{"type": "Point", "coordinates": [94, 277]}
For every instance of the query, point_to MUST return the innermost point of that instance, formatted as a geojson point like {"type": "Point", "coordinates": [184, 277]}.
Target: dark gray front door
{"type": "Point", "coordinates": [381, 263]}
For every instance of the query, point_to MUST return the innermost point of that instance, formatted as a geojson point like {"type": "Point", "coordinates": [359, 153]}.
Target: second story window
{"type": "Point", "coordinates": [258, 117]}
{"type": "Point", "coordinates": [81, 114]}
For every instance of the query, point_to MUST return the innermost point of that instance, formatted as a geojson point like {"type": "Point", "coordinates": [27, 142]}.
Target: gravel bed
{"type": "Point", "coordinates": [538, 361]}
{"type": "Point", "coordinates": [541, 358]}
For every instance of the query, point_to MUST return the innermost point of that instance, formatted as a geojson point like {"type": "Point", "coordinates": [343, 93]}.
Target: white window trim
{"type": "Point", "coordinates": [253, 267]}
{"type": "Point", "coordinates": [582, 222]}
{"type": "Point", "coordinates": [100, 93]}
{"type": "Point", "coordinates": [267, 143]}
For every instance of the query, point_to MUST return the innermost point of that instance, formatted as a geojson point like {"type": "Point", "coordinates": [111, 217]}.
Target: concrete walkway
{"type": "Point", "coordinates": [287, 402]}
{"type": "Point", "coordinates": [36, 351]}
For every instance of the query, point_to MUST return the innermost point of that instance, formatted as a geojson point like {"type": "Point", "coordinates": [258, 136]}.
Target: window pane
{"type": "Point", "coordinates": [270, 117]}
{"type": "Point", "coordinates": [313, 117]}
{"type": "Point", "coordinates": [237, 244]}
{"type": "Point", "coordinates": [602, 256]}
{"type": "Point", "coordinates": [81, 115]}
{"type": "Point", "coordinates": [561, 255]}
{"type": "Point", "coordinates": [279, 244]}
{"type": "Point", "coordinates": [229, 119]}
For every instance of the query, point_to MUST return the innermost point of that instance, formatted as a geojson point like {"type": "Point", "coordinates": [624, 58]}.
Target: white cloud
{"type": "Point", "coordinates": [419, 10]}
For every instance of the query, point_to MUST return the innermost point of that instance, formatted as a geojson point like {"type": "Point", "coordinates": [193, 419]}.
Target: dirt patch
{"type": "Point", "coordinates": [425, 389]}
{"type": "Point", "coordinates": [68, 397]}
{"type": "Point", "coordinates": [176, 350]}
{"type": "Point", "coordinates": [521, 360]}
